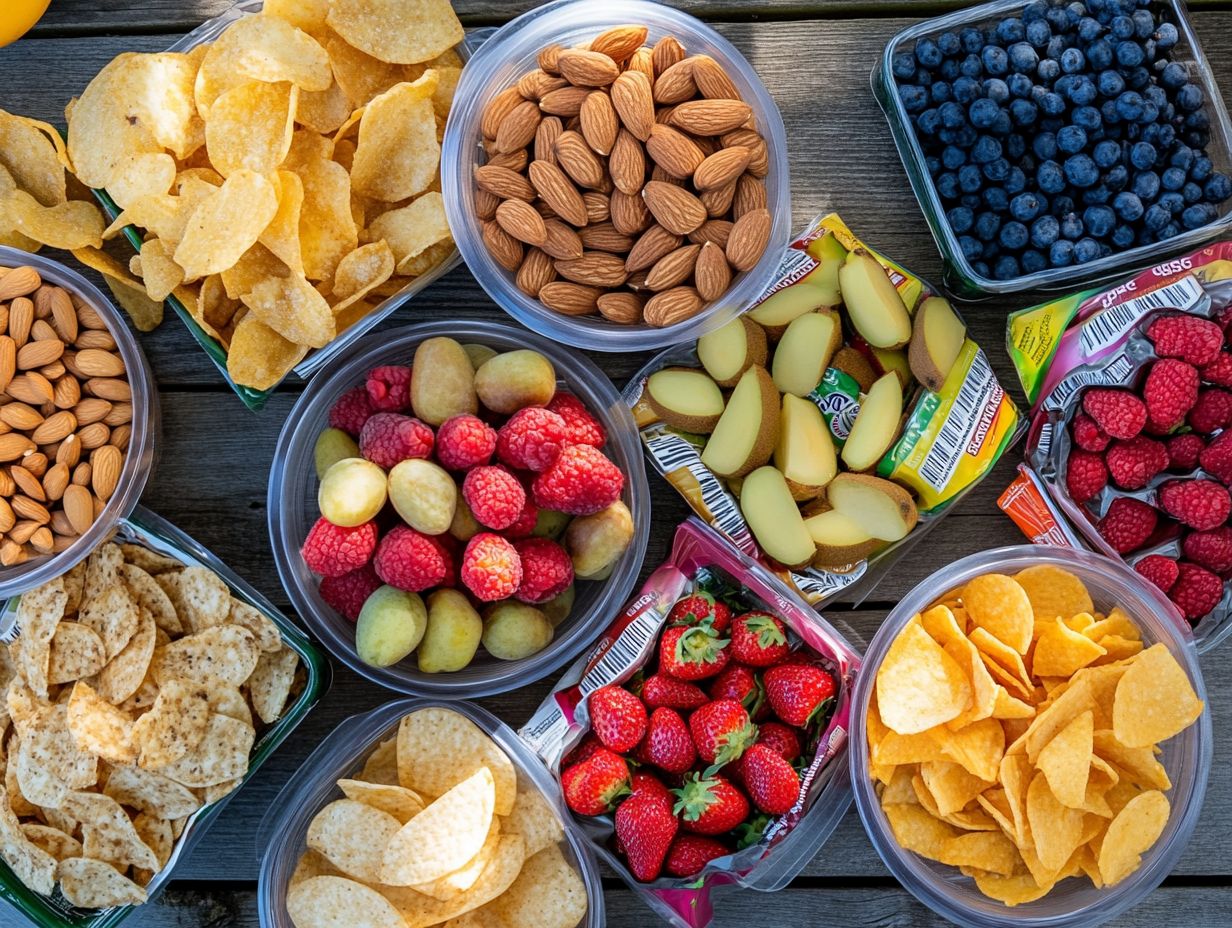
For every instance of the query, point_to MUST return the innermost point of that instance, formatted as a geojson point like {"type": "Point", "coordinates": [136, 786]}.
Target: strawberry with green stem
{"type": "Point", "coordinates": [692, 653]}
{"type": "Point", "coordinates": [758, 639]}
{"type": "Point", "coordinates": [668, 744]}
{"type": "Point", "coordinates": [710, 805]}
{"type": "Point", "coordinates": [799, 693]}
{"type": "Point", "coordinates": [593, 786]}
{"type": "Point", "coordinates": [701, 608]}
{"type": "Point", "coordinates": [721, 730]}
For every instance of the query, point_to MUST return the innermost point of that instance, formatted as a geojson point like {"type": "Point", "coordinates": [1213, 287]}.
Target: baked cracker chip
{"type": "Point", "coordinates": [123, 674]}
{"type": "Point", "coordinates": [453, 885]}
{"type": "Point", "coordinates": [151, 793]}
{"type": "Point", "coordinates": [150, 561]}
{"type": "Point", "coordinates": [337, 902]}
{"type": "Point", "coordinates": [439, 748]}
{"type": "Point", "coordinates": [224, 653]}
{"type": "Point", "coordinates": [31, 864]}
{"type": "Point", "coordinates": [263, 629]}
{"type": "Point", "coordinates": [444, 836]}
{"type": "Point", "coordinates": [420, 911]}
{"type": "Point", "coordinates": [102, 571]}
{"type": "Point", "coordinates": [55, 842]}
{"type": "Point", "coordinates": [221, 755]}
{"type": "Point", "coordinates": [270, 684]}
{"type": "Point", "coordinates": [402, 803]}
{"type": "Point", "coordinates": [99, 727]}
{"type": "Point", "coordinates": [35, 783]}
{"type": "Point", "coordinates": [38, 615]}
{"type": "Point", "coordinates": [93, 884]}
{"type": "Point", "coordinates": [156, 833]}
{"type": "Point", "coordinates": [113, 616]}
{"type": "Point", "coordinates": [151, 597]}
{"type": "Point", "coordinates": [353, 837]}
{"type": "Point", "coordinates": [381, 765]}
{"type": "Point", "coordinates": [312, 863]}
{"type": "Point", "coordinates": [548, 893]}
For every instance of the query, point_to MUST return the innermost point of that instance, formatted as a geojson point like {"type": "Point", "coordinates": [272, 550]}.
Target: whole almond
{"type": "Point", "coordinates": [557, 190]}
{"type": "Point", "coordinates": [549, 130]}
{"type": "Point", "coordinates": [109, 388]}
{"type": "Point", "coordinates": [712, 81]}
{"type": "Point", "coordinates": [504, 248]}
{"type": "Point", "coordinates": [653, 245]}
{"type": "Point", "coordinates": [567, 101]}
{"type": "Point", "coordinates": [547, 58]}
{"type": "Point", "coordinates": [517, 129]}
{"type": "Point", "coordinates": [504, 183]}
{"type": "Point", "coordinates": [593, 269]}
{"type": "Point", "coordinates": [42, 540]}
{"type": "Point", "coordinates": [711, 117]}
{"type": "Point", "coordinates": [667, 52]}
{"type": "Point", "coordinates": [534, 84]}
{"type": "Point", "coordinates": [718, 201]}
{"type": "Point", "coordinates": [61, 525]}
{"type": "Point", "coordinates": [663, 115]}
{"type": "Point", "coordinates": [7, 519]}
{"type": "Point", "coordinates": [95, 362]}
{"type": "Point", "coordinates": [87, 316]}
{"type": "Point", "coordinates": [673, 151]}
{"type": "Point", "coordinates": [642, 61]}
{"type": "Point", "coordinates": [31, 387]}
{"type": "Point", "coordinates": [658, 174]}
{"type": "Point", "coordinates": [56, 428]}
{"type": "Point", "coordinates": [535, 272]}
{"type": "Point", "coordinates": [42, 330]}
{"type": "Point", "coordinates": [750, 195]}
{"type": "Point", "coordinates": [18, 282]}
{"type": "Point", "coordinates": [619, 42]}
{"type": "Point", "coordinates": [672, 306]}
{"type": "Point", "coordinates": [712, 275]}
{"type": "Point", "coordinates": [485, 205]}
{"type": "Point", "coordinates": [66, 392]}
{"type": "Point", "coordinates": [759, 156]}
{"type": "Point", "coordinates": [69, 452]}
{"type": "Point", "coordinates": [120, 414]}
{"type": "Point", "coordinates": [95, 338]}
{"type": "Point", "coordinates": [627, 163]}
{"type": "Point", "coordinates": [82, 474]}
{"type": "Point", "coordinates": [20, 416]}
{"type": "Point", "coordinates": [515, 161]}
{"type": "Point", "coordinates": [598, 206]}
{"type": "Point", "coordinates": [599, 122]}
{"type": "Point", "coordinates": [587, 68]}
{"type": "Point", "coordinates": [749, 236]}
{"type": "Point", "coordinates": [55, 481]}
{"type": "Point", "coordinates": [577, 160]}
{"type": "Point", "coordinates": [91, 409]}
{"type": "Point", "coordinates": [712, 230]}
{"type": "Point", "coordinates": [569, 298]}
{"type": "Point", "coordinates": [675, 85]}
{"type": "Point", "coordinates": [8, 360]}
{"type": "Point", "coordinates": [42, 301]}
{"type": "Point", "coordinates": [79, 507]}
{"type": "Point", "coordinates": [27, 483]}
{"type": "Point", "coordinates": [625, 308]}
{"type": "Point", "coordinates": [497, 109]}
{"type": "Point", "coordinates": [721, 168]}
{"type": "Point", "coordinates": [562, 241]}
{"type": "Point", "coordinates": [603, 236]}
{"type": "Point", "coordinates": [7, 486]}
{"type": "Point", "coordinates": [21, 318]}
{"type": "Point", "coordinates": [53, 371]}
{"type": "Point", "coordinates": [633, 100]}
{"type": "Point", "coordinates": [12, 554]}
{"type": "Point", "coordinates": [93, 435]}
{"type": "Point", "coordinates": [64, 317]}
{"type": "Point", "coordinates": [120, 436]}
{"type": "Point", "coordinates": [106, 462]}
{"type": "Point", "coordinates": [673, 269]}
{"type": "Point", "coordinates": [674, 208]}
{"type": "Point", "coordinates": [629, 212]}
{"type": "Point", "coordinates": [23, 531]}
{"type": "Point", "coordinates": [35, 463]}
{"type": "Point", "coordinates": [39, 353]}
{"type": "Point", "coordinates": [519, 219]}
{"type": "Point", "coordinates": [26, 508]}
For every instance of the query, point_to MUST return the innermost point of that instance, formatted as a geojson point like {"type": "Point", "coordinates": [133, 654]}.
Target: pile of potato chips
{"type": "Point", "coordinates": [438, 826]}
{"type": "Point", "coordinates": [1014, 734]}
{"type": "Point", "coordinates": [131, 689]}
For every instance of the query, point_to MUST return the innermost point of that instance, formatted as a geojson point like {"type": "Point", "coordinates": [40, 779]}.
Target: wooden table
{"type": "Point", "coordinates": [210, 479]}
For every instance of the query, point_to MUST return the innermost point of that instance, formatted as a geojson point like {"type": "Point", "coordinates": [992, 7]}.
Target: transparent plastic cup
{"type": "Point", "coordinates": [138, 457]}
{"type": "Point", "coordinates": [1187, 756]}
{"type": "Point", "coordinates": [293, 509]}
{"type": "Point", "coordinates": [508, 54]}
{"type": "Point", "coordinates": [282, 836]}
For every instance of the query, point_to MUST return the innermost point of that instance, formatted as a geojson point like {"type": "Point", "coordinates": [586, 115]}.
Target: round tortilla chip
{"type": "Point", "coordinates": [92, 884]}
{"type": "Point", "coordinates": [337, 902]}
{"type": "Point", "coordinates": [353, 836]}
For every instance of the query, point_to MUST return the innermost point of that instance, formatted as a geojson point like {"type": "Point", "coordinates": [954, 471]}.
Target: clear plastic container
{"type": "Point", "coordinates": [960, 277]}
{"type": "Point", "coordinates": [1187, 756]}
{"type": "Point", "coordinates": [508, 54]}
{"type": "Point", "coordinates": [138, 458]}
{"type": "Point", "coordinates": [282, 836]}
{"type": "Point", "coordinates": [293, 509]}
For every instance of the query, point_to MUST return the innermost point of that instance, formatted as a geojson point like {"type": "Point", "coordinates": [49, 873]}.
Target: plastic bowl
{"type": "Point", "coordinates": [283, 833]}
{"type": "Point", "coordinates": [509, 53]}
{"type": "Point", "coordinates": [1187, 756]}
{"type": "Point", "coordinates": [139, 456]}
{"type": "Point", "coordinates": [293, 510]}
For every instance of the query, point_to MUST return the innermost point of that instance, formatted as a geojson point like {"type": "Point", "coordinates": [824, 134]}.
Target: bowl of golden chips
{"type": "Point", "coordinates": [1030, 740]}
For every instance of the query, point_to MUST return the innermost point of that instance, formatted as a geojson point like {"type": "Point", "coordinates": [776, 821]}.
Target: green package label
{"type": "Point", "coordinates": [838, 398]}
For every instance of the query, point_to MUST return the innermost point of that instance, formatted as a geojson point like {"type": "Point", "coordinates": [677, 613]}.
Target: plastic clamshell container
{"type": "Point", "coordinates": [146, 528]}
{"type": "Point", "coordinates": [1187, 756]}
{"type": "Point", "coordinates": [512, 51]}
{"type": "Point", "coordinates": [292, 502]}
{"type": "Point", "coordinates": [252, 398]}
{"type": "Point", "coordinates": [959, 276]}
{"type": "Point", "coordinates": [138, 457]}
{"type": "Point", "coordinates": [282, 836]}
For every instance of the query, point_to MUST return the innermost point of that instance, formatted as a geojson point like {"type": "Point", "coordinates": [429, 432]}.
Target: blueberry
{"type": "Point", "coordinates": [1123, 236]}
{"type": "Point", "coordinates": [969, 178]}
{"type": "Point", "coordinates": [953, 157]}
{"type": "Point", "coordinates": [1003, 124]}
{"type": "Point", "coordinates": [1071, 226]}
{"type": "Point", "coordinates": [1171, 230]}
{"type": "Point", "coordinates": [1038, 32]}
{"type": "Point", "coordinates": [1191, 193]}
{"type": "Point", "coordinates": [1057, 19]}
{"type": "Point", "coordinates": [972, 40]}
{"type": "Point", "coordinates": [1044, 145]}
{"type": "Point", "coordinates": [995, 198]}
{"type": "Point", "coordinates": [1197, 120]}
{"type": "Point", "coordinates": [1020, 85]}
{"type": "Point", "coordinates": [987, 225]}
{"type": "Point", "coordinates": [1050, 178]}
{"type": "Point", "coordinates": [1155, 94]}
{"type": "Point", "coordinates": [1009, 30]}
{"type": "Point", "coordinates": [995, 60]}
{"type": "Point", "coordinates": [1097, 195]}
{"type": "Point", "coordinates": [1189, 98]}
{"type": "Point", "coordinates": [1155, 218]}
{"type": "Point", "coordinates": [1142, 156]}
{"type": "Point", "coordinates": [1035, 10]}
{"type": "Point", "coordinates": [981, 268]}
{"type": "Point", "coordinates": [1128, 206]}
{"type": "Point", "coordinates": [1108, 109]}
{"type": "Point", "coordinates": [997, 170]}
{"type": "Point", "coordinates": [927, 53]}
{"type": "Point", "coordinates": [1138, 78]}
{"type": "Point", "coordinates": [1098, 220]}
{"type": "Point", "coordinates": [971, 248]}
{"type": "Point", "coordinates": [1087, 117]}
{"type": "Point", "coordinates": [939, 91]}
{"type": "Point", "coordinates": [965, 90]}
{"type": "Point", "coordinates": [1061, 254]}
{"type": "Point", "coordinates": [1023, 57]}
{"type": "Point", "coordinates": [1217, 189]}
{"type": "Point", "coordinates": [1100, 54]}
{"type": "Point", "coordinates": [1175, 75]}
{"type": "Point", "coordinates": [1052, 104]}
{"type": "Point", "coordinates": [1129, 105]}
{"type": "Point", "coordinates": [1172, 201]}
{"type": "Point", "coordinates": [914, 97]}
{"type": "Point", "coordinates": [971, 66]}
{"type": "Point", "coordinates": [982, 113]}
{"type": "Point", "coordinates": [961, 219]}
{"type": "Point", "coordinates": [1025, 206]}
{"type": "Point", "coordinates": [949, 69]}
{"type": "Point", "coordinates": [969, 200]}
{"type": "Point", "coordinates": [986, 149]}
{"type": "Point", "coordinates": [1082, 91]}
{"type": "Point", "coordinates": [903, 66]}
{"type": "Point", "coordinates": [1089, 29]}
{"type": "Point", "coordinates": [1015, 146]}
{"type": "Point", "coordinates": [1172, 179]}
{"type": "Point", "coordinates": [949, 44]}
{"type": "Point", "coordinates": [1013, 236]}
{"type": "Point", "coordinates": [933, 163]}
{"type": "Point", "coordinates": [1106, 154]}
{"type": "Point", "coordinates": [1072, 139]}
{"type": "Point", "coordinates": [1081, 171]}
{"type": "Point", "coordinates": [1121, 27]}
{"type": "Point", "coordinates": [1110, 83]}
{"type": "Point", "coordinates": [1062, 205]}
{"type": "Point", "coordinates": [1198, 215]}
{"type": "Point", "coordinates": [1048, 69]}
{"type": "Point", "coordinates": [947, 185]}
{"type": "Point", "coordinates": [1033, 261]}
{"type": "Point", "coordinates": [1023, 112]}
{"type": "Point", "coordinates": [1044, 231]}
{"type": "Point", "coordinates": [1144, 23]}
{"type": "Point", "coordinates": [1146, 185]}
{"type": "Point", "coordinates": [963, 137]}
{"type": "Point", "coordinates": [1165, 136]}
{"type": "Point", "coordinates": [1006, 268]}
{"type": "Point", "coordinates": [1086, 249]}
{"type": "Point", "coordinates": [1016, 179]}
{"type": "Point", "coordinates": [952, 115]}
{"type": "Point", "coordinates": [1166, 36]}
{"type": "Point", "coordinates": [1201, 168]}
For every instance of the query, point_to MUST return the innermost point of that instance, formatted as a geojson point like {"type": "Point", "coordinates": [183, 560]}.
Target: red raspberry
{"type": "Point", "coordinates": [494, 496]}
{"type": "Point", "coordinates": [1184, 450]}
{"type": "Point", "coordinates": [1219, 371]}
{"type": "Point", "coordinates": [1087, 435]}
{"type": "Point", "coordinates": [347, 593]}
{"type": "Point", "coordinates": [531, 439]}
{"type": "Point", "coordinates": [351, 410]}
{"type": "Point", "coordinates": [491, 568]}
{"type": "Point", "coordinates": [546, 570]}
{"type": "Point", "coordinates": [412, 561]}
{"type": "Point", "coordinates": [463, 442]}
{"type": "Point", "coordinates": [581, 427]}
{"type": "Point", "coordinates": [1212, 412]}
{"type": "Point", "coordinates": [525, 524]}
{"type": "Point", "coordinates": [1212, 549]}
{"type": "Point", "coordinates": [581, 481]}
{"type": "Point", "coordinates": [1085, 475]}
{"type": "Point", "coordinates": [388, 438]}
{"type": "Point", "coordinates": [1128, 524]}
{"type": "Point", "coordinates": [1216, 458]}
{"type": "Point", "coordinates": [1196, 592]}
{"type": "Point", "coordinates": [1161, 571]}
{"type": "Point", "coordinates": [1118, 412]}
{"type": "Point", "coordinates": [1200, 504]}
{"type": "Point", "coordinates": [333, 550]}
{"type": "Point", "coordinates": [1190, 338]}
{"type": "Point", "coordinates": [1133, 463]}
{"type": "Point", "coordinates": [389, 388]}
{"type": "Point", "coordinates": [1170, 391]}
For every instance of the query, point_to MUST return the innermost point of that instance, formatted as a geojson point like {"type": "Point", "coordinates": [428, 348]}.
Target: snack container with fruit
{"type": "Point", "coordinates": [1149, 348]}
{"type": "Point", "coordinates": [597, 301]}
{"type": "Point", "coordinates": [859, 413]}
{"type": "Point", "coordinates": [1110, 604]}
{"type": "Point", "coordinates": [674, 856]}
{"type": "Point", "coordinates": [287, 677]}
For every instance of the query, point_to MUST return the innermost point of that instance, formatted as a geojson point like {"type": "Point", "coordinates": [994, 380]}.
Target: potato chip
{"type": "Point", "coordinates": [444, 836]}
{"type": "Point", "coordinates": [414, 230]}
{"type": "Point", "coordinates": [1061, 651]}
{"type": "Point", "coordinates": [123, 674]}
{"type": "Point", "coordinates": [1056, 829]}
{"type": "Point", "coordinates": [439, 748]}
{"type": "Point", "coordinates": [99, 727]}
{"type": "Point", "coordinates": [336, 902]}
{"type": "Point", "coordinates": [159, 272]}
{"type": "Point", "coordinates": [226, 224]}
{"type": "Point", "coordinates": [221, 755]}
{"type": "Point", "coordinates": [324, 110]}
{"type": "Point", "coordinates": [269, 686]}
{"type": "Point", "coordinates": [73, 224]}
{"type": "Point", "coordinates": [446, 84]}
{"type": "Point", "coordinates": [224, 653]}
{"type": "Point", "coordinates": [281, 236]}
{"type": "Point", "coordinates": [1066, 761]}
{"type": "Point", "coordinates": [258, 263]}
{"type": "Point", "coordinates": [989, 851]}
{"type": "Point", "coordinates": [917, 748]}
{"type": "Point", "coordinates": [259, 357]}
{"type": "Point", "coordinates": [1154, 700]}
{"type": "Point", "coordinates": [381, 765]}
{"type": "Point", "coordinates": [140, 176]}
{"type": "Point", "coordinates": [360, 76]}
{"type": "Point", "coordinates": [38, 615]}
{"type": "Point", "coordinates": [1054, 592]}
{"type": "Point", "coordinates": [30, 159]}
{"type": "Point", "coordinates": [398, 31]}
{"type": "Point", "coordinates": [398, 154]}
{"type": "Point", "coordinates": [978, 747]}
{"type": "Point", "coordinates": [93, 884]}
{"type": "Point", "coordinates": [260, 48]}
{"type": "Point", "coordinates": [327, 229]}
{"type": "Point", "coordinates": [1136, 827]}
{"type": "Point", "coordinates": [918, 684]}
{"type": "Point", "coordinates": [150, 792]}
{"type": "Point", "coordinates": [250, 126]}
{"type": "Point", "coordinates": [917, 831]}
{"type": "Point", "coordinates": [151, 597]}
{"type": "Point", "coordinates": [1011, 890]}
{"type": "Point", "coordinates": [294, 309]}
{"type": "Point", "coordinates": [548, 893]}
{"type": "Point", "coordinates": [31, 864]}
{"type": "Point", "coordinates": [312, 863]}
{"type": "Point", "coordinates": [951, 785]}
{"type": "Point", "coordinates": [534, 819]}
{"type": "Point", "coordinates": [360, 271]}
{"type": "Point", "coordinates": [397, 801]}
{"type": "Point", "coordinates": [1138, 765]}
{"type": "Point", "coordinates": [308, 15]}
{"type": "Point", "coordinates": [1117, 648]}
{"type": "Point", "coordinates": [452, 885]}
{"type": "Point", "coordinates": [55, 842]}
{"type": "Point", "coordinates": [353, 837]}
{"type": "Point", "coordinates": [504, 867]}
{"type": "Point", "coordinates": [999, 605]}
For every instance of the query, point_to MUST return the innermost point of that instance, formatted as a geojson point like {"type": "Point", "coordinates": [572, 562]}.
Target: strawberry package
{"type": "Point", "coordinates": [1129, 448]}
{"type": "Point", "coordinates": [702, 741]}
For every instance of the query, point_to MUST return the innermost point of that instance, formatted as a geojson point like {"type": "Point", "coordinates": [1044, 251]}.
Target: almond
{"type": "Point", "coordinates": [497, 109]}
{"type": "Point", "coordinates": [7, 519]}
{"type": "Point", "coordinates": [82, 474]}
{"type": "Point", "coordinates": [534, 84]}
{"type": "Point", "coordinates": [106, 462]}
{"type": "Point", "coordinates": [642, 61]}
{"type": "Point", "coordinates": [42, 330]}
{"type": "Point", "coordinates": [8, 360]}
{"type": "Point", "coordinates": [517, 129]}
{"type": "Point", "coordinates": [658, 174]}
{"type": "Point", "coordinates": [675, 85]}
{"type": "Point", "coordinates": [519, 219]}
{"type": "Point", "coordinates": [653, 245]}
{"type": "Point", "coordinates": [21, 318]}
{"type": "Point", "coordinates": [26, 508]}
{"type": "Point", "coordinates": [55, 481]}
{"type": "Point", "coordinates": [27, 483]}
{"type": "Point", "coordinates": [619, 42]}
{"type": "Point", "coordinates": [750, 196]}
{"type": "Point", "coordinates": [562, 241]}
{"type": "Point", "coordinates": [593, 269]}
{"type": "Point", "coordinates": [598, 206]}
{"type": "Point", "coordinates": [663, 115]}
{"type": "Point", "coordinates": [674, 208]}
{"type": "Point", "coordinates": [749, 237]}
{"type": "Point", "coordinates": [711, 117]}
{"type": "Point", "coordinates": [87, 316]}
{"type": "Point", "coordinates": [719, 200]}
{"type": "Point", "coordinates": [712, 81]}
{"type": "Point", "coordinates": [625, 308]}
{"type": "Point", "coordinates": [56, 427]}
{"type": "Point", "coordinates": [503, 247]}
{"type": "Point", "coordinates": [603, 236]}
{"type": "Point", "coordinates": [577, 160]}
{"type": "Point", "coordinates": [759, 156]}
{"type": "Point", "coordinates": [20, 416]}
{"type": "Point", "coordinates": [35, 463]}
{"type": "Point", "coordinates": [66, 392]}
{"type": "Point", "coordinates": [548, 57]}
{"type": "Point", "coordinates": [121, 413]}
{"type": "Point", "coordinates": [535, 272]}
{"type": "Point", "coordinates": [42, 302]}
{"type": "Point", "coordinates": [109, 388]}
{"type": "Point", "coordinates": [31, 387]}
{"type": "Point", "coordinates": [707, 143]}
{"type": "Point", "coordinates": [633, 100]}
{"type": "Point", "coordinates": [627, 163]}
{"type": "Point", "coordinates": [69, 452]}
{"type": "Point", "coordinates": [7, 486]}
{"type": "Point", "coordinates": [712, 275]}
{"type": "Point", "coordinates": [60, 523]}
{"type": "Point", "coordinates": [39, 353]}
{"type": "Point", "coordinates": [79, 507]}
{"type": "Point", "coordinates": [95, 338]}
{"type": "Point", "coordinates": [95, 362]}
{"type": "Point", "coordinates": [23, 531]}
{"type": "Point", "coordinates": [120, 436]}
{"type": "Point", "coordinates": [629, 212]}
{"type": "Point", "coordinates": [93, 435]}
{"type": "Point", "coordinates": [53, 371]}
{"type": "Point", "coordinates": [712, 230]}
{"type": "Point", "coordinates": [558, 192]}
{"type": "Point", "coordinates": [42, 540]}
{"type": "Point", "coordinates": [673, 269]}
{"type": "Point", "coordinates": [485, 205]}
{"type": "Point", "coordinates": [91, 409]}
{"type": "Point", "coordinates": [544, 210]}
{"type": "Point", "coordinates": [599, 122]}
{"type": "Point", "coordinates": [549, 130]}
{"type": "Point", "coordinates": [64, 317]}
{"type": "Point", "coordinates": [673, 151]}
{"type": "Point", "coordinates": [569, 298]}
{"type": "Point", "coordinates": [504, 183]}
{"type": "Point", "coordinates": [672, 306]}
{"type": "Point", "coordinates": [564, 102]}
{"type": "Point", "coordinates": [515, 161]}
{"type": "Point", "coordinates": [12, 554]}
{"type": "Point", "coordinates": [18, 282]}
{"type": "Point", "coordinates": [667, 52]}
{"type": "Point", "coordinates": [721, 168]}
{"type": "Point", "coordinates": [587, 68]}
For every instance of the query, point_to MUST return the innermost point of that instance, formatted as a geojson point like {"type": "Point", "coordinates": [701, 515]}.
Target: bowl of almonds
{"type": "Point", "coordinates": [77, 416]}
{"type": "Point", "coordinates": [615, 174]}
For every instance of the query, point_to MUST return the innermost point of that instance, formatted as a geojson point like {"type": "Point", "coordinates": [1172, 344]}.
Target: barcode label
{"type": "Point", "coordinates": [979, 389]}
{"type": "Point", "coordinates": [629, 650]}
{"type": "Point", "coordinates": [672, 452]}
{"type": "Point", "coordinates": [1117, 372]}
{"type": "Point", "coordinates": [1044, 443]}
{"type": "Point", "coordinates": [546, 731]}
{"type": "Point", "coordinates": [817, 584]}
{"type": "Point", "coordinates": [1108, 326]}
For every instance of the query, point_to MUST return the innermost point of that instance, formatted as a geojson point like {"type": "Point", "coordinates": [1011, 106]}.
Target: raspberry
{"type": "Point", "coordinates": [582, 428]}
{"type": "Point", "coordinates": [1212, 412]}
{"type": "Point", "coordinates": [525, 524]}
{"type": "Point", "coordinates": [581, 481]}
{"type": "Point", "coordinates": [1087, 435]}
{"type": "Point", "coordinates": [1216, 458]}
{"type": "Point", "coordinates": [531, 439]}
{"type": "Point", "coordinates": [491, 568]}
{"type": "Point", "coordinates": [546, 570]}
{"type": "Point", "coordinates": [411, 560]}
{"type": "Point", "coordinates": [1170, 391]}
{"type": "Point", "coordinates": [1085, 475]}
{"type": "Point", "coordinates": [1133, 463]}
{"type": "Point", "coordinates": [388, 438]}
{"type": "Point", "coordinates": [333, 550]}
{"type": "Point", "coordinates": [1161, 571]}
{"type": "Point", "coordinates": [1118, 412]}
{"type": "Point", "coordinates": [1190, 338]}
{"type": "Point", "coordinates": [347, 593]}
{"type": "Point", "coordinates": [494, 496]}
{"type": "Point", "coordinates": [389, 388]}
{"type": "Point", "coordinates": [1212, 549]}
{"type": "Point", "coordinates": [1184, 451]}
{"type": "Point", "coordinates": [465, 441]}
{"type": "Point", "coordinates": [351, 410]}
{"type": "Point", "coordinates": [1197, 591]}
{"type": "Point", "coordinates": [1219, 371]}
{"type": "Point", "coordinates": [1128, 524]}
{"type": "Point", "coordinates": [1200, 504]}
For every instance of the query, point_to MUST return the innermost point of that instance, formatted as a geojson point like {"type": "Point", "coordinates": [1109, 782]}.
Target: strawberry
{"type": "Point", "coordinates": [594, 785]}
{"type": "Point", "coordinates": [738, 682]}
{"type": "Point", "coordinates": [644, 782]}
{"type": "Point", "coordinates": [721, 730]}
{"type": "Point", "coordinates": [692, 652]}
{"type": "Point", "coordinates": [584, 751]}
{"type": "Point", "coordinates": [617, 717]}
{"type": "Point", "coordinates": [772, 784]}
{"type": "Point", "coordinates": [798, 693]}
{"type": "Point", "coordinates": [645, 827]}
{"type": "Point", "coordinates": [661, 691]}
{"type": "Point", "coordinates": [710, 805]}
{"type": "Point", "coordinates": [667, 744]}
{"type": "Point", "coordinates": [689, 854]}
{"type": "Point", "coordinates": [701, 608]}
{"type": "Point", "coordinates": [758, 639]}
{"type": "Point", "coordinates": [782, 739]}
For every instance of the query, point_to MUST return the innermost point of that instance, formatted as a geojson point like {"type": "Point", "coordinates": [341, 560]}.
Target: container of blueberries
{"type": "Point", "coordinates": [1057, 143]}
